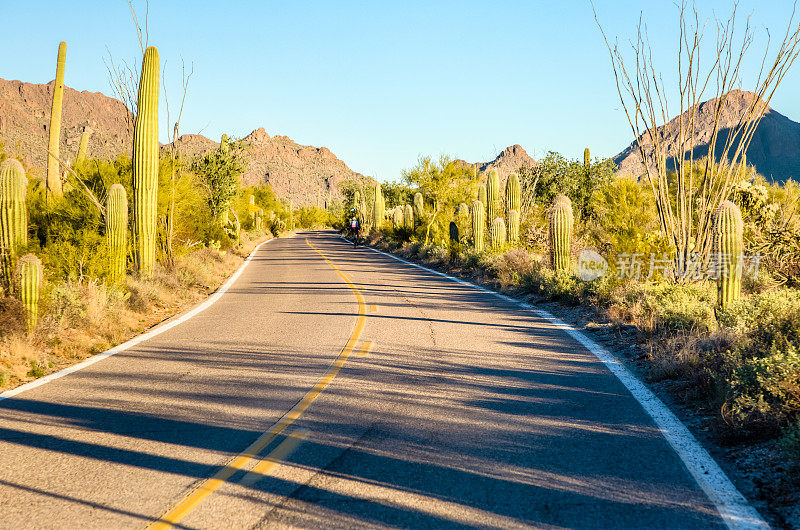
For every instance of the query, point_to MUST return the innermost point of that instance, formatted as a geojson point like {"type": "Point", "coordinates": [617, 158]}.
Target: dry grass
{"type": "Point", "coordinates": [80, 319]}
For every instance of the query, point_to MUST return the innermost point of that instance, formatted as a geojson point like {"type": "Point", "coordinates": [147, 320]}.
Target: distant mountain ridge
{"type": "Point", "coordinates": [774, 149]}
{"type": "Point", "coordinates": [305, 174]}
{"type": "Point", "coordinates": [508, 161]}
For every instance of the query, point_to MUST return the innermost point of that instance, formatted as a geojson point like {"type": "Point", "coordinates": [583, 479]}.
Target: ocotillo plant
{"type": "Point", "coordinates": [291, 214]}
{"type": "Point", "coordinates": [513, 194]}
{"type": "Point", "coordinates": [53, 168]}
{"type": "Point", "coordinates": [408, 217]}
{"type": "Point", "coordinates": [378, 207]}
{"type": "Point", "coordinates": [13, 216]}
{"type": "Point", "coordinates": [561, 221]}
{"type": "Point", "coordinates": [513, 226]}
{"type": "Point", "coordinates": [28, 278]}
{"type": "Point", "coordinates": [478, 225]}
{"type": "Point", "coordinates": [83, 147]}
{"type": "Point", "coordinates": [145, 165]}
{"type": "Point", "coordinates": [116, 232]}
{"type": "Point", "coordinates": [419, 208]}
{"type": "Point", "coordinates": [729, 253]}
{"type": "Point", "coordinates": [493, 195]}
{"type": "Point", "coordinates": [498, 233]}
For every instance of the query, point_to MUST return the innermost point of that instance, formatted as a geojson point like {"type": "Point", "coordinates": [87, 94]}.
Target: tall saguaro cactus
{"type": "Point", "coordinates": [145, 165]}
{"type": "Point", "coordinates": [561, 222]}
{"type": "Point", "coordinates": [729, 249]}
{"type": "Point", "coordinates": [116, 232]}
{"type": "Point", "coordinates": [513, 226]}
{"type": "Point", "coordinates": [378, 207]}
{"type": "Point", "coordinates": [28, 282]}
{"type": "Point", "coordinates": [478, 225]}
{"type": "Point", "coordinates": [408, 216]}
{"type": "Point", "coordinates": [493, 195]}
{"type": "Point", "coordinates": [53, 168]}
{"type": "Point", "coordinates": [419, 208]}
{"type": "Point", "coordinates": [482, 195]}
{"type": "Point", "coordinates": [586, 158]}
{"type": "Point", "coordinates": [498, 233]}
{"type": "Point", "coordinates": [513, 194]}
{"type": "Point", "coordinates": [13, 216]}
{"type": "Point", "coordinates": [83, 147]}
{"type": "Point", "coordinates": [397, 217]}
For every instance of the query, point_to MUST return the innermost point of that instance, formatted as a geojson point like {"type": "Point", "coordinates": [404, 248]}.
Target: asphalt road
{"type": "Point", "coordinates": [372, 394]}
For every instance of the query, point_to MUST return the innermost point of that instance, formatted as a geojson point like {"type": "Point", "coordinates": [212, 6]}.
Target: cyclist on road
{"type": "Point", "coordinates": [355, 230]}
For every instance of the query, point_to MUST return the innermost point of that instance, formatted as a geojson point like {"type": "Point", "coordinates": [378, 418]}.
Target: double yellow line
{"type": "Point", "coordinates": [205, 488]}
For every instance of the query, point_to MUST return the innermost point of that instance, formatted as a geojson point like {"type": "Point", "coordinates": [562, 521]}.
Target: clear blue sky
{"type": "Point", "coordinates": [378, 82]}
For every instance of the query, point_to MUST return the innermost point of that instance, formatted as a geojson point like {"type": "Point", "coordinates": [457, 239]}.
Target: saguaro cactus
{"type": "Point", "coordinates": [498, 233]}
{"type": "Point", "coordinates": [586, 158]}
{"type": "Point", "coordinates": [53, 169]}
{"type": "Point", "coordinates": [513, 194]}
{"type": "Point", "coordinates": [478, 225]}
{"type": "Point", "coordinates": [729, 249]}
{"type": "Point", "coordinates": [378, 207]}
{"type": "Point", "coordinates": [116, 232]}
{"type": "Point", "coordinates": [482, 195]}
{"type": "Point", "coordinates": [493, 195]}
{"type": "Point", "coordinates": [561, 222]}
{"type": "Point", "coordinates": [397, 217]}
{"type": "Point", "coordinates": [28, 281]}
{"type": "Point", "coordinates": [419, 208]}
{"type": "Point", "coordinates": [455, 239]}
{"type": "Point", "coordinates": [145, 165]}
{"type": "Point", "coordinates": [13, 216]}
{"type": "Point", "coordinates": [83, 147]}
{"type": "Point", "coordinates": [408, 217]}
{"type": "Point", "coordinates": [513, 226]}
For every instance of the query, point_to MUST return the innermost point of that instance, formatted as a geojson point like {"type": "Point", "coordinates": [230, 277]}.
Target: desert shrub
{"type": "Point", "coordinates": [624, 220]}
{"type": "Point", "coordinates": [758, 377]}
{"type": "Point", "coordinates": [554, 175]}
{"type": "Point", "coordinates": [509, 267]}
{"type": "Point", "coordinates": [790, 441]}
{"type": "Point", "coordinates": [12, 316]}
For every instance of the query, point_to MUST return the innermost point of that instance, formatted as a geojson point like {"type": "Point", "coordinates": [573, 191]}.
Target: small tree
{"type": "Point", "coordinates": [445, 182]}
{"type": "Point", "coordinates": [218, 172]}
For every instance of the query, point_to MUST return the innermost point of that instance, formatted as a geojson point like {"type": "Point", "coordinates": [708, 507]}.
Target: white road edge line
{"type": "Point", "coordinates": [158, 330]}
{"type": "Point", "coordinates": [731, 504]}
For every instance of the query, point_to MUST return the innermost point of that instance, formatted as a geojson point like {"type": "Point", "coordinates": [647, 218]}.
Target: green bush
{"type": "Point", "coordinates": [758, 379]}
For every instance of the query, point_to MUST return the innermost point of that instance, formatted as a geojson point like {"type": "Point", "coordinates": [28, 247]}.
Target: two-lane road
{"type": "Point", "coordinates": [335, 387]}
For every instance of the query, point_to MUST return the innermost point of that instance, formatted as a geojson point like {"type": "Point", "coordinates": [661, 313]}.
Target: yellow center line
{"type": "Point", "coordinates": [205, 488]}
{"type": "Point", "coordinates": [366, 347]}
{"type": "Point", "coordinates": [271, 460]}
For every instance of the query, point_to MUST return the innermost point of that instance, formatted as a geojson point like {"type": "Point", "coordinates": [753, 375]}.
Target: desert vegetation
{"type": "Point", "coordinates": [95, 251]}
{"type": "Point", "coordinates": [725, 336]}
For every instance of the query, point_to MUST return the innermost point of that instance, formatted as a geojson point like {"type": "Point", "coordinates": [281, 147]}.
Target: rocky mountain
{"type": "Point", "coordinates": [25, 119]}
{"type": "Point", "coordinates": [304, 174]}
{"type": "Point", "coordinates": [508, 161]}
{"type": "Point", "coordinates": [301, 173]}
{"type": "Point", "coordinates": [774, 149]}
